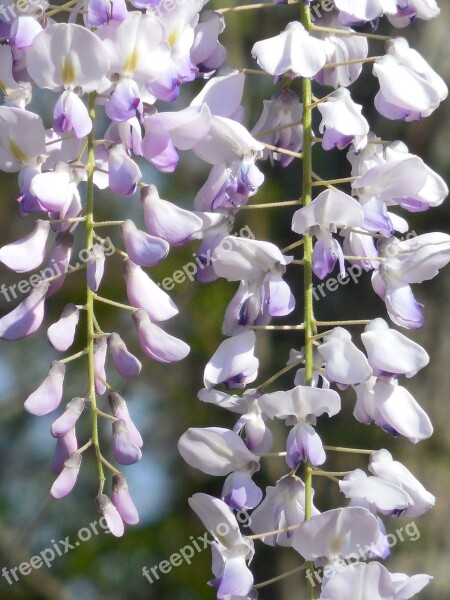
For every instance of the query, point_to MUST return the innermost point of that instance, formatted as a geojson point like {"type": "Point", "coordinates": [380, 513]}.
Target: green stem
{"type": "Point", "coordinates": [90, 294]}
{"type": "Point", "coordinates": [307, 257]}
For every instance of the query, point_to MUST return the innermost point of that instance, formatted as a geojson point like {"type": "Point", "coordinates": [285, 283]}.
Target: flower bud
{"type": "Point", "coordinates": [111, 515]}
{"type": "Point", "coordinates": [58, 261]}
{"type": "Point", "coordinates": [168, 221]}
{"type": "Point", "coordinates": [121, 499]}
{"type": "Point", "coordinates": [70, 416]}
{"type": "Point", "coordinates": [143, 249]}
{"type": "Point", "coordinates": [66, 480]}
{"type": "Point", "coordinates": [65, 445]}
{"type": "Point", "coordinates": [127, 365]}
{"type": "Point", "coordinates": [125, 451]}
{"type": "Point", "coordinates": [27, 253]}
{"type": "Point", "coordinates": [156, 343]}
{"type": "Point", "coordinates": [120, 411]}
{"type": "Point", "coordinates": [100, 347]}
{"type": "Point", "coordinates": [48, 395]}
{"type": "Point", "coordinates": [62, 333]}
{"type": "Point", "coordinates": [27, 317]}
{"type": "Point", "coordinates": [144, 293]}
{"type": "Point", "coordinates": [95, 267]}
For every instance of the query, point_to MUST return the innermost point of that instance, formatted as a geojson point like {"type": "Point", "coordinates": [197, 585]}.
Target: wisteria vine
{"type": "Point", "coordinates": [113, 67]}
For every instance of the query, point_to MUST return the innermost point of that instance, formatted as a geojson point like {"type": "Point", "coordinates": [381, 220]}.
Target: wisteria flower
{"type": "Point", "coordinates": [233, 363]}
{"type": "Point", "coordinates": [409, 88]}
{"type": "Point", "coordinates": [293, 51]}
{"type": "Point", "coordinates": [331, 210]}
{"type": "Point", "coordinates": [407, 262]}
{"type": "Point", "coordinates": [218, 451]}
{"type": "Point", "coordinates": [231, 550]}
{"type": "Point", "coordinates": [300, 407]}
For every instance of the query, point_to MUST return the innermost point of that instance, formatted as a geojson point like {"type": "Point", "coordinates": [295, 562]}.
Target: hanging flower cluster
{"type": "Point", "coordinates": [125, 65]}
{"type": "Point", "coordinates": [337, 229]}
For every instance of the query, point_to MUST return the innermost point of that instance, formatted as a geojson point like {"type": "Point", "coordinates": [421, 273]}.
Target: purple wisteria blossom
{"type": "Point", "coordinates": [231, 550]}
{"type": "Point", "coordinates": [300, 407]}
{"type": "Point", "coordinates": [331, 210]}
{"type": "Point", "coordinates": [218, 451]}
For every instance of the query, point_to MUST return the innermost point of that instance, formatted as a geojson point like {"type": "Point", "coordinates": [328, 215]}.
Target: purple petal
{"type": "Point", "coordinates": [69, 417]}
{"type": "Point", "coordinates": [281, 299]}
{"type": "Point", "coordinates": [124, 174]}
{"type": "Point", "coordinates": [143, 293]}
{"type": "Point", "coordinates": [158, 149]}
{"type": "Point", "coordinates": [111, 515]}
{"type": "Point", "coordinates": [124, 101]}
{"type": "Point", "coordinates": [168, 221]}
{"type": "Point", "coordinates": [124, 450]}
{"type": "Point", "coordinates": [120, 411]}
{"type": "Point", "coordinates": [403, 308]}
{"type": "Point", "coordinates": [95, 267]}
{"type": "Point", "coordinates": [62, 333]}
{"type": "Point", "coordinates": [121, 499]}
{"type": "Point", "coordinates": [100, 347]}
{"type": "Point", "coordinates": [27, 253]}
{"type": "Point", "coordinates": [240, 491]}
{"type": "Point", "coordinates": [323, 259]}
{"type": "Point", "coordinates": [156, 343]}
{"type": "Point", "coordinates": [47, 397]}
{"type": "Point", "coordinates": [65, 482]}
{"type": "Point", "coordinates": [71, 114]}
{"type": "Point", "coordinates": [104, 11]}
{"type": "Point", "coordinates": [27, 317]}
{"type": "Point", "coordinates": [65, 445]}
{"type": "Point", "coordinates": [143, 249]}
{"type": "Point", "coordinates": [304, 443]}
{"type": "Point", "coordinates": [58, 261]}
{"type": "Point", "coordinates": [127, 365]}
{"type": "Point", "coordinates": [236, 580]}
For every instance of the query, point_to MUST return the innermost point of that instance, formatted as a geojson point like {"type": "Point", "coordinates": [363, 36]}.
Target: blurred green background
{"type": "Point", "coordinates": [163, 400]}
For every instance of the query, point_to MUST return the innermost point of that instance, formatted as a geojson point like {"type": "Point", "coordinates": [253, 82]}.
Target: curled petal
{"type": "Point", "coordinates": [111, 515]}
{"type": "Point", "coordinates": [95, 267]}
{"type": "Point", "coordinates": [27, 253]}
{"type": "Point", "coordinates": [62, 333]}
{"type": "Point", "coordinates": [65, 445]}
{"type": "Point", "coordinates": [344, 362]}
{"type": "Point", "coordinates": [47, 397]}
{"type": "Point", "coordinates": [143, 293]}
{"type": "Point", "coordinates": [100, 347]}
{"type": "Point", "coordinates": [121, 499]}
{"type": "Point", "coordinates": [293, 50]}
{"type": "Point", "coordinates": [215, 450]}
{"type": "Point", "coordinates": [156, 343]}
{"type": "Point", "coordinates": [127, 365]}
{"type": "Point", "coordinates": [125, 451]}
{"type": "Point", "coordinates": [124, 174]}
{"type": "Point", "coordinates": [143, 249]}
{"type": "Point", "coordinates": [120, 411]}
{"type": "Point", "coordinates": [65, 482]}
{"type": "Point", "coordinates": [58, 261]}
{"type": "Point", "coordinates": [27, 317]}
{"type": "Point", "coordinates": [168, 221]}
{"type": "Point", "coordinates": [71, 114]}
{"type": "Point", "coordinates": [233, 362]}
{"type": "Point", "coordinates": [69, 417]}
